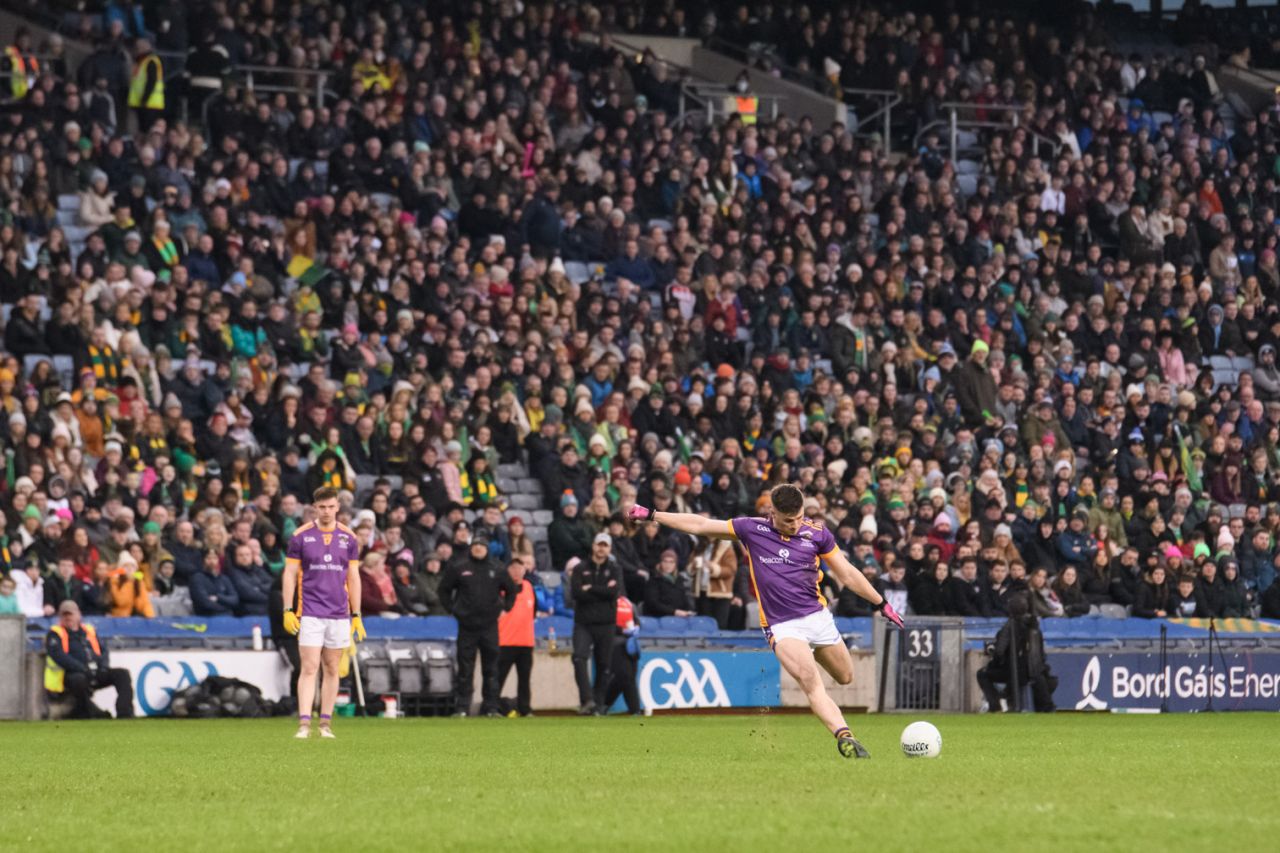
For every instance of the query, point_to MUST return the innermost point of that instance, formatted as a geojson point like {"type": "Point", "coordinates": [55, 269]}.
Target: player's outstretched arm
{"type": "Point", "coordinates": [685, 522]}
{"type": "Point", "coordinates": [848, 575]}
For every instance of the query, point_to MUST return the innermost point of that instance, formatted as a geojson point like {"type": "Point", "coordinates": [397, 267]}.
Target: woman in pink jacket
{"type": "Point", "coordinates": [1172, 366]}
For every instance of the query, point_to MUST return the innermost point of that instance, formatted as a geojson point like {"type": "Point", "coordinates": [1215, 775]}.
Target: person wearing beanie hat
{"type": "Point", "coordinates": [569, 534]}
{"type": "Point", "coordinates": [975, 387]}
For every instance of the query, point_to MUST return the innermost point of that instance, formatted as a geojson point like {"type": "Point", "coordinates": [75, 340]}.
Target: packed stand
{"type": "Point", "coordinates": [494, 292]}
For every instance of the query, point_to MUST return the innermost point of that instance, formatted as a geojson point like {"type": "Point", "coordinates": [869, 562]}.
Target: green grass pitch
{"type": "Point", "coordinates": [748, 782]}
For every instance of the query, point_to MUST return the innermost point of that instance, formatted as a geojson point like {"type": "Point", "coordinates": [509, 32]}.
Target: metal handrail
{"type": "Point", "coordinates": [320, 77]}
{"type": "Point", "coordinates": [953, 123]}
{"type": "Point", "coordinates": [749, 54]}
{"type": "Point", "coordinates": [706, 96]}
{"type": "Point", "coordinates": [884, 112]}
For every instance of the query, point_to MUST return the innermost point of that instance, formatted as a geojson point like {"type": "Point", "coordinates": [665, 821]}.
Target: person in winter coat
{"type": "Point", "coordinates": [1044, 601]}
{"type": "Point", "coordinates": [1237, 600]}
{"type": "Point", "coordinates": [597, 583]}
{"type": "Point", "coordinates": [1154, 599]}
{"type": "Point", "coordinates": [1186, 601]}
{"type": "Point", "coordinates": [1067, 587]}
{"type": "Point", "coordinates": [1042, 551]}
{"type": "Point", "coordinates": [251, 580]}
{"type": "Point", "coordinates": [714, 565]}
{"type": "Point", "coordinates": [1210, 588]}
{"type": "Point", "coordinates": [665, 594]}
{"type": "Point", "coordinates": [377, 588]}
{"type": "Point", "coordinates": [1266, 375]}
{"type": "Point", "coordinates": [212, 592]}
{"type": "Point", "coordinates": [1075, 546]}
{"type": "Point", "coordinates": [928, 596]}
{"type": "Point", "coordinates": [1106, 512]}
{"type": "Point", "coordinates": [964, 593]}
{"type": "Point", "coordinates": [98, 202]}
{"type": "Point", "coordinates": [129, 595]}
{"type": "Point", "coordinates": [1126, 577]}
{"type": "Point", "coordinates": [568, 535]}
{"type": "Point", "coordinates": [412, 598]}
{"type": "Point", "coordinates": [1095, 579]}
{"type": "Point", "coordinates": [477, 591]}
{"type": "Point", "coordinates": [976, 387]}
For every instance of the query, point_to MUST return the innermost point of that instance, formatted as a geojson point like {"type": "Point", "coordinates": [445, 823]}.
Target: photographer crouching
{"type": "Point", "coordinates": [1018, 650]}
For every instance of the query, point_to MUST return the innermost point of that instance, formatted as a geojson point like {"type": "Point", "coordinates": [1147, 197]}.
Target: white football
{"type": "Point", "coordinates": [921, 740]}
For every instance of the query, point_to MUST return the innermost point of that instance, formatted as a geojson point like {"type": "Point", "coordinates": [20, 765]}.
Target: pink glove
{"type": "Point", "coordinates": [640, 513]}
{"type": "Point", "coordinates": [886, 610]}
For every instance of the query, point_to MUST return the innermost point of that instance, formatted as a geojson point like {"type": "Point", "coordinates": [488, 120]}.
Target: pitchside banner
{"type": "Point", "coordinates": [158, 675]}
{"type": "Point", "coordinates": [708, 680]}
{"type": "Point", "coordinates": [1238, 680]}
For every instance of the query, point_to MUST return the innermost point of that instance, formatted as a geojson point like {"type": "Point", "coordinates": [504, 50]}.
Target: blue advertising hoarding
{"type": "Point", "coordinates": [1099, 681]}
{"type": "Point", "coordinates": [671, 679]}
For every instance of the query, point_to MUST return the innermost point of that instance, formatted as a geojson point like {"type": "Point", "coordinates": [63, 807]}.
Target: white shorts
{"type": "Point", "coordinates": [329, 633]}
{"type": "Point", "coordinates": [816, 629]}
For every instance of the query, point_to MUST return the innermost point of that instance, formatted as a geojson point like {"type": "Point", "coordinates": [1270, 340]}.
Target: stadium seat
{"type": "Point", "coordinates": [410, 678]}
{"type": "Point", "coordinates": [1112, 611]}
{"type": "Point", "coordinates": [542, 553]}
{"type": "Point", "coordinates": [702, 625]}
{"type": "Point", "coordinates": [563, 626]}
{"type": "Point", "coordinates": [674, 624]}
{"type": "Point", "coordinates": [69, 202]}
{"type": "Point", "coordinates": [439, 672]}
{"type": "Point", "coordinates": [375, 668]}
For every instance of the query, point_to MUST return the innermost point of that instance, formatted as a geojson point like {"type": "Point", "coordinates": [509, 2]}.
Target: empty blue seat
{"type": "Point", "coordinates": [564, 628]}
{"type": "Point", "coordinates": [704, 625]}
{"type": "Point", "coordinates": [674, 624]}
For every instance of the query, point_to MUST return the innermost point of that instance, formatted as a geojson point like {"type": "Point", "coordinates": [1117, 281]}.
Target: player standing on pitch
{"type": "Point", "coordinates": [784, 552]}
{"type": "Point", "coordinates": [321, 587]}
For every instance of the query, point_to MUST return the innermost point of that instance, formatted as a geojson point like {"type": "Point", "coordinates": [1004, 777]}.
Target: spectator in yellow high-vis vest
{"type": "Point", "coordinates": [76, 665]}
{"type": "Point", "coordinates": [22, 65]}
{"type": "Point", "coordinates": [146, 88]}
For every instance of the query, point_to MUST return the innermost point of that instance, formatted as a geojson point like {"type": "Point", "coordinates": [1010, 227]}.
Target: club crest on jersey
{"type": "Point", "coordinates": [328, 537]}
{"type": "Point", "coordinates": [806, 534]}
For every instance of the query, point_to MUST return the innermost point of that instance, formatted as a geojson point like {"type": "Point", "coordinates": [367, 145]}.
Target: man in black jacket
{"type": "Point", "coordinates": [596, 585]}
{"type": "Point", "coordinates": [965, 592]}
{"type": "Point", "coordinates": [476, 591]}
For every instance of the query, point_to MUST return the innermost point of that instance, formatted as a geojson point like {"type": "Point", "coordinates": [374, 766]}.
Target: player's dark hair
{"type": "Point", "coordinates": [324, 493]}
{"type": "Point", "coordinates": [787, 499]}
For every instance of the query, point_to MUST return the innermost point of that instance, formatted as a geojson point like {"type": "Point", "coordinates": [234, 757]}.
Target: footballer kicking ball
{"type": "Point", "coordinates": [921, 740]}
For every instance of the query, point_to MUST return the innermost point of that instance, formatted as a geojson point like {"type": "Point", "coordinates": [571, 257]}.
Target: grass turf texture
{"type": "Point", "coordinates": [761, 782]}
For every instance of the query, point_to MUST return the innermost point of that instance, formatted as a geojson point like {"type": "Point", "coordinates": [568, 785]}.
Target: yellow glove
{"type": "Point", "coordinates": [291, 622]}
{"type": "Point", "coordinates": [357, 628]}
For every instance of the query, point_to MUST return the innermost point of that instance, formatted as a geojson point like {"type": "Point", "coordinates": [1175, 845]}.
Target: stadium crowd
{"type": "Point", "coordinates": [496, 244]}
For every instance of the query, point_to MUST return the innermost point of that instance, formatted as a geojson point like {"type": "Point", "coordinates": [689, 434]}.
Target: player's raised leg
{"type": "Point", "coordinates": [836, 661]}
{"type": "Point", "coordinates": [800, 663]}
{"type": "Point", "coordinates": [310, 656]}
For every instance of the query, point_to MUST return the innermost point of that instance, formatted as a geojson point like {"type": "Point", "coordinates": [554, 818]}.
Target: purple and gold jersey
{"type": "Point", "coordinates": [323, 557]}
{"type": "Point", "coordinates": [785, 571]}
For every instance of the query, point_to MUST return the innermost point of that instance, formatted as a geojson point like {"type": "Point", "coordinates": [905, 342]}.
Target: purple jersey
{"type": "Point", "coordinates": [323, 558]}
{"type": "Point", "coordinates": [785, 570]}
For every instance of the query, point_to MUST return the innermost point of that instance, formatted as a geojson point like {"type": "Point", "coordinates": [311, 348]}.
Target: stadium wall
{"type": "Point", "coordinates": [669, 679]}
